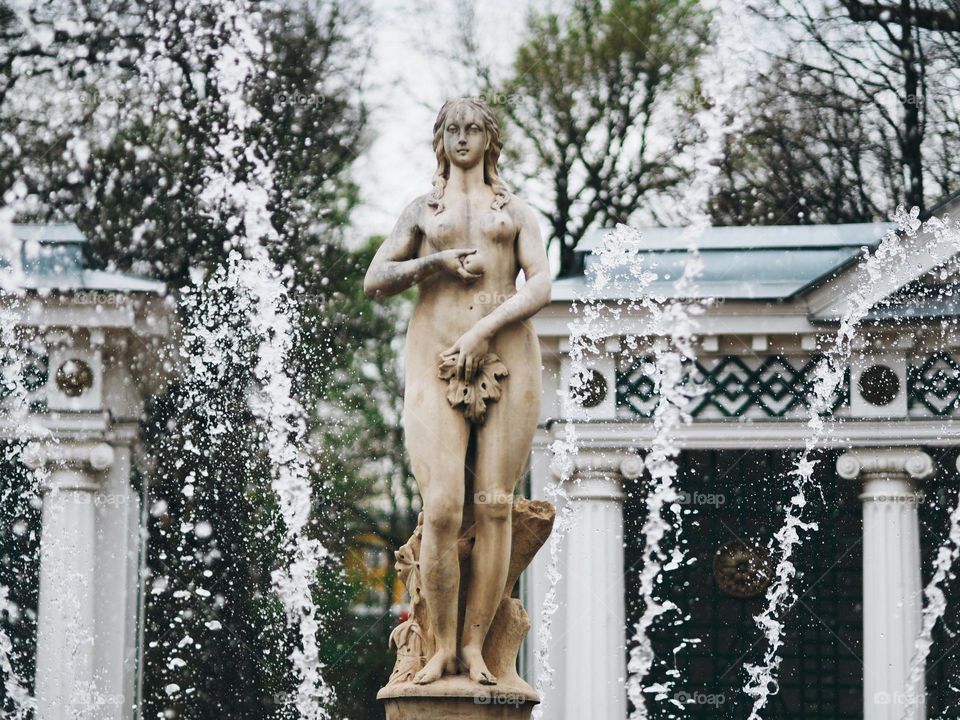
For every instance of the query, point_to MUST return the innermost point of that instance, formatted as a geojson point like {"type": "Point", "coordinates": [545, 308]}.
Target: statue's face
{"type": "Point", "coordinates": [464, 137]}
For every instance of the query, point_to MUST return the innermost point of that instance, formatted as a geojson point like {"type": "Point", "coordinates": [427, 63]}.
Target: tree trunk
{"type": "Point", "coordinates": [912, 142]}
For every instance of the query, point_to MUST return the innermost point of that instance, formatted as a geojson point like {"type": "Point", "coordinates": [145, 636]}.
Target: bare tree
{"type": "Point", "coordinates": [893, 64]}
{"type": "Point", "coordinates": [808, 155]}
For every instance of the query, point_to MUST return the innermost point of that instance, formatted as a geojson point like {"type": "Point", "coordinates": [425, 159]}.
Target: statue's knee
{"type": "Point", "coordinates": [492, 506]}
{"type": "Point", "coordinates": [444, 516]}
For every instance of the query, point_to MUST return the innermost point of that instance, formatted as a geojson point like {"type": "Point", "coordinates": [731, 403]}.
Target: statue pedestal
{"type": "Point", "coordinates": [453, 709]}
{"type": "Point", "coordinates": [458, 698]}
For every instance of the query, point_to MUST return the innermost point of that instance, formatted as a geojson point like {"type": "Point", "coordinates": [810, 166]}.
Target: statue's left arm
{"type": "Point", "coordinates": [533, 295]}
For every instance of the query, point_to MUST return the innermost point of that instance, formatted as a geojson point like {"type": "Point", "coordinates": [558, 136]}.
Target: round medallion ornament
{"type": "Point", "coordinates": [742, 571]}
{"type": "Point", "coordinates": [879, 385]}
{"type": "Point", "coordinates": [592, 390]}
{"type": "Point", "coordinates": [74, 378]}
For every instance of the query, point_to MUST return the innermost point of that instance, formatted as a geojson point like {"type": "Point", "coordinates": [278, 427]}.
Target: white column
{"type": "Point", "coordinates": [595, 626]}
{"type": "Point", "coordinates": [892, 601]}
{"type": "Point", "coordinates": [65, 679]}
{"type": "Point", "coordinates": [119, 613]}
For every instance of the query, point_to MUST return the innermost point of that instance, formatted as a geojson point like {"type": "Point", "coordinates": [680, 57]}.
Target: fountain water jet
{"type": "Point", "coordinates": [593, 324]}
{"type": "Point", "coordinates": [16, 410]}
{"type": "Point", "coordinates": [674, 322]}
{"type": "Point", "coordinates": [946, 555]}
{"type": "Point", "coordinates": [238, 182]}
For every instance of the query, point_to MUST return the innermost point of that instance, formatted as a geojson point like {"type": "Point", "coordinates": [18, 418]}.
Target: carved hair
{"type": "Point", "coordinates": [490, 156]}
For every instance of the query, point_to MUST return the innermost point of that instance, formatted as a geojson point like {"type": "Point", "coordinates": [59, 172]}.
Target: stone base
{"type": "Point", "coordinates": [457, 698]}
{"type": "Point", "coordinates": [455, 709]}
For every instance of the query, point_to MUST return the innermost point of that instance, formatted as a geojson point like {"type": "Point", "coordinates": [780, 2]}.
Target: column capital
{"type": "Point", "coordinates": [599, 474]}
{"type": "Point", "coordinates": [73, 465]}
{"type": "Point", "coordinates": [892, 463]}
{"type": "Point", "coordinates": [591, 461]}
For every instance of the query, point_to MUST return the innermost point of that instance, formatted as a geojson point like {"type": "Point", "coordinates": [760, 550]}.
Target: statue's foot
{"type": "Point", "coordinates": [477, 668]}
{"type": "Point", "coordinates": [442, 663]}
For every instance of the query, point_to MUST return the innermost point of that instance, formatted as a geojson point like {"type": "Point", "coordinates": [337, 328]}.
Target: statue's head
{"type": "Point", "coordinates": [466, 133]}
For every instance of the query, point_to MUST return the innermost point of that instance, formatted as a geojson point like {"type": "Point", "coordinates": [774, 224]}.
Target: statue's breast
{"type": "Point", "coordinates": [455, 227]}
{"type": "Point", "coordinates": [445, 230]}
{"type": "Point", "coordinates": [498, 225]}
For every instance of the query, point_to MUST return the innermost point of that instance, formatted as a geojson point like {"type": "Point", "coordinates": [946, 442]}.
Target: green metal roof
{"type": "Point", "coordinates": [754, 262]}
{"type": "Point", "coordinates": [50, 257]}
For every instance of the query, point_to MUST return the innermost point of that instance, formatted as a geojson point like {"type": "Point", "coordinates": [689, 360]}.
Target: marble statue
{"type": "Point", "coordinates": [471, 404]}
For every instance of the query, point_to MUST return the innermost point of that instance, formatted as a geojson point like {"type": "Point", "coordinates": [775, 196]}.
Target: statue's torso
{"type": "Point", "coordinates": [448, 306]}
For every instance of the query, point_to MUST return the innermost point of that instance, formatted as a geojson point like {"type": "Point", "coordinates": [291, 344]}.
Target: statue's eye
{"type": "Point", "coordinates": [451, 128]}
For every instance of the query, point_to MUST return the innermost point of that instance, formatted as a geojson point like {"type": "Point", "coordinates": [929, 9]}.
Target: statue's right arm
{"type": "Point", "coordinates": [395, 267]}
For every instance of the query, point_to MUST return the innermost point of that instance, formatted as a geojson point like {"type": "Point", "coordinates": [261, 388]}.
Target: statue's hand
{"type": "Point", "coordinates": [469, 349]}
{"type": "Point", "coordinates": [452, 262]}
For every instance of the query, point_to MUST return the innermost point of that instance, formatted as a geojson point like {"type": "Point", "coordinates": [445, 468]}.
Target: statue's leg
{"type": "Point", "coordinates": [436, 438]}
{"type": "Point", "coordinates": [502, 452]}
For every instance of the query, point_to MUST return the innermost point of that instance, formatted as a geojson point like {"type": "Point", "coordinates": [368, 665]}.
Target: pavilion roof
{"type": "Point", "coordinates": [50, 257]}
{"type": "Point", "coordinates": [750, 262]}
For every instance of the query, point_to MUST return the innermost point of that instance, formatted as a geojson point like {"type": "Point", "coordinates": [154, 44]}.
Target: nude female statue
{"type": "Point", "coordinates": [464, 245]}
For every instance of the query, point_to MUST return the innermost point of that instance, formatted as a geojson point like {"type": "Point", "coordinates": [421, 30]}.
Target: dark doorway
{"type": "Point", "coordinates": [733, 505]}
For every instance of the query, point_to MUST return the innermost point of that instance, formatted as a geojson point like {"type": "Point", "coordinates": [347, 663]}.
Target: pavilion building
{"type": "Point", "coordinates": [885, 475]}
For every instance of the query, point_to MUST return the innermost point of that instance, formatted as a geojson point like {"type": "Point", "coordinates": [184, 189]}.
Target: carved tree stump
{"type": "Point", "coordinates": [532, 522]}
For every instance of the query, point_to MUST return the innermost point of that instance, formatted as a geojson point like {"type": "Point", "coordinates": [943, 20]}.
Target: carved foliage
{"type": "Point", "coordinates": [411, 639]}
{"type": "Point", "coordinates": [472, 397]}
